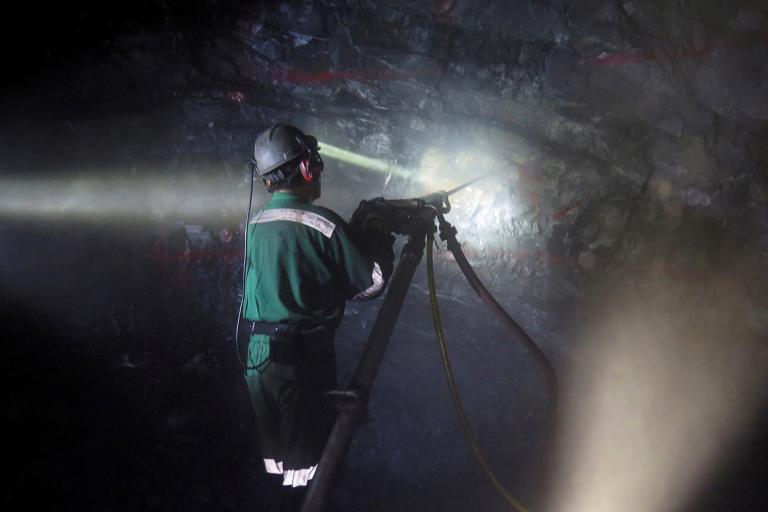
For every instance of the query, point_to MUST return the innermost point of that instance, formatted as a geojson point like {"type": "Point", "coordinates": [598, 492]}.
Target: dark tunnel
{"type": "Point", "coordinates": [621, 220]}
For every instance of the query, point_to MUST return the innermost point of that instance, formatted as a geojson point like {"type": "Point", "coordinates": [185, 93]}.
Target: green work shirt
{"type": "Point", "coordinates": [302, 266]}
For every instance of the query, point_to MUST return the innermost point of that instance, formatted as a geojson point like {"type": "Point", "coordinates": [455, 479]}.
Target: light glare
{"type": "Point", "coordinates": [657, 401]}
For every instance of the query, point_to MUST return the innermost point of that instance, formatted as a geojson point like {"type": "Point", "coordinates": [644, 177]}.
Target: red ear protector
{"type": "Point", "coordinates": [311, 167]}
{"type": "Point", "coordinates": [308, 171]}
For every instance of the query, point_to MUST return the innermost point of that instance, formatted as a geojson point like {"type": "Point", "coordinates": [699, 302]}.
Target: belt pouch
{"type": "Point", "coordinates": [284, 346]}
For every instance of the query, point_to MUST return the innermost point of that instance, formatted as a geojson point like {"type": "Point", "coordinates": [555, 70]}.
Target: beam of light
{"type": "Point", "coordinates": [487, 213]}
{"type": "Point", "coordinates": [483, 211]}
{"type": "Point", "coordinates": [123, 198]}
{"type": "Point", "coordinates": [483, 205]}
{"type": "Point", "coordinates": [372, 164]}
{"type": "Point", "coordinates": [672, 374]}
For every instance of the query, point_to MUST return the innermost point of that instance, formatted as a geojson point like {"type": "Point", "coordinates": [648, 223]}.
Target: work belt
{"type": "Point", "coordinates": [286, 342]}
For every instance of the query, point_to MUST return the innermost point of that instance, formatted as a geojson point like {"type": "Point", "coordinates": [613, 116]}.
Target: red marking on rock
{"type": "Point", "coordinates": [670, 54]}
{"type": "Point", "coordinates": [567, 211]}
{"type": "Point", "coordinates": [442, 9]}
{"type": "Point", "coordinates": [236, 96]}
{"type": "Point", "coordinates": [620, 59]}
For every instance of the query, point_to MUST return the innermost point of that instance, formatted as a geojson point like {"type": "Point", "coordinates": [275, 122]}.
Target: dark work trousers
{"type": "Point", "coordinates": [293, 420]}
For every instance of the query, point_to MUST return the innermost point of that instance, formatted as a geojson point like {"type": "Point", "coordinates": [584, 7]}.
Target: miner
{"type": "Point", "coordinates": [302, 264]}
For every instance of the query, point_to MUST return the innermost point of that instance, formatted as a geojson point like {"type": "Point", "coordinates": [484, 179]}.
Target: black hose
{"type": "Point", "coordinates": [448, 234]}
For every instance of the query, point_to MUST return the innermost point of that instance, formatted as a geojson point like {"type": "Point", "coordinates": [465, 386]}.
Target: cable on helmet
{"type": "Point", "coordinates": [251, 166]}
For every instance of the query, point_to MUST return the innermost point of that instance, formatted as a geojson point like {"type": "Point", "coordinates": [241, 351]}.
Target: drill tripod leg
{"type": "Point", "coordinates": [347, 421]}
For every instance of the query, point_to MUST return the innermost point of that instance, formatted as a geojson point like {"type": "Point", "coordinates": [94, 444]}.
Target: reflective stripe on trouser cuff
{"type": "Point", "coordinates": [273, 467]}
{"type": "Point", "coordinates": [298, 477]}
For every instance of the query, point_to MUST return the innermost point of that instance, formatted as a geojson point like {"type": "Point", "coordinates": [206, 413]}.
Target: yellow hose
{"type": "Point", "coordinates": [452, 385]}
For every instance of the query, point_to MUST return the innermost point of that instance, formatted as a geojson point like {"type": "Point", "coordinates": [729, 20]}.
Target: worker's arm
{"type": "Point", "coordinates": [364, 263]}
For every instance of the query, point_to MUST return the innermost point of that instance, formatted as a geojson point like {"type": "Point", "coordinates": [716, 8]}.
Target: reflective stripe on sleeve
{"type": "Point", "coordinates": [309, 219]}
{"type": "Point", "coordinates": [376, 287]}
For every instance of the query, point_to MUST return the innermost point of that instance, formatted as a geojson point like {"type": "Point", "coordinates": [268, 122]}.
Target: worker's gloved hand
{"type": "Point", "coordinates": [370, 232]}
{"type": "Point", "coordinates": [379, 246]}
